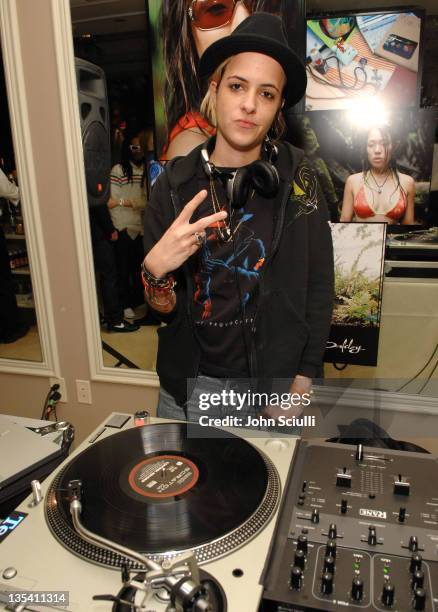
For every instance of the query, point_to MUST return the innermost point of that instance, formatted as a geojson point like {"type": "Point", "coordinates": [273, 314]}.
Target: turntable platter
{"type": "Point", "coordinates": [160, 491]}
{"type": "Point", "coordinates": [426, 239]}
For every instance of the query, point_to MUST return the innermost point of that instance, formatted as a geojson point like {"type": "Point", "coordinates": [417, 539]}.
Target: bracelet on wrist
{"type": "Point", "coordinates": [149, 280]}
{"type": "Point", "coordinates": [121, 202]}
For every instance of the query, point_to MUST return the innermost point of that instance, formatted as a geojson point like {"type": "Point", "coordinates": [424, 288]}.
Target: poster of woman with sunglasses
{"type": "Point", "coordinates": [181, 30]}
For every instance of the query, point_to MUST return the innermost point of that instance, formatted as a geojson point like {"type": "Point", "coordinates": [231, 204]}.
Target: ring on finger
{"type": "Point", "coordinates": [200, 238]}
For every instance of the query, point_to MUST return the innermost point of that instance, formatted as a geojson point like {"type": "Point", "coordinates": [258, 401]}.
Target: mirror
{"type": "Point", "coordinates": [116, 115]}
{"type": "Point", "coordinates": [115, 37]}
{"type": "Point", "coordinates": [19, 334]}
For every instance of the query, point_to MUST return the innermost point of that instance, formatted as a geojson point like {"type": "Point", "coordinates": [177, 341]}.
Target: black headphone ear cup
{"type": "Point", "coordinates": [265, 178]}
{"type": "Point", "coordinates": [239, 186]}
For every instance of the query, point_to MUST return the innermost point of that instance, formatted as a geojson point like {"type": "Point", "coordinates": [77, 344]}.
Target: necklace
{"type": "Point", "coordinates": [225, 233]}
{"type": "Point", "coordinates": [379, 187]}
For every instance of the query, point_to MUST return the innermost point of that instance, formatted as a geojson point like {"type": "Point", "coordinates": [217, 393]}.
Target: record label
{"type": "Point", "coordinates": [163, 476]}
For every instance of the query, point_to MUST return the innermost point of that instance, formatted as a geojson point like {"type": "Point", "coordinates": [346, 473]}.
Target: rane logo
{"type": "Point", "coordinates": [381, 514]}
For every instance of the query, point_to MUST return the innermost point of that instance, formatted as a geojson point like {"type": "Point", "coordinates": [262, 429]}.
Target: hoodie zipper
{"type": "Point", "coordinates": [274, 248]}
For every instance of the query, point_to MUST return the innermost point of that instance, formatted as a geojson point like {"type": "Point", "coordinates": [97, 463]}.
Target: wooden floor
{"type": "Point", "coordinates": [27, 348]}
{"type": "Point", "coordinates": [140, 347]}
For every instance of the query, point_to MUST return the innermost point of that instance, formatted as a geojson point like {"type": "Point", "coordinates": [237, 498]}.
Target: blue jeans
{"type": "Point", "coordinates": [206, 386]}
{"type": "Point", "coordinates": [168, 408]}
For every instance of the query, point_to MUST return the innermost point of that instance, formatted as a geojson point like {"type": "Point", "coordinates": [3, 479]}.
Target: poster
{"type": "Point", "coordinates": [360, 57]}
{"type": "Point", "coordinates": [335, 144]}
{"type": "Point", "coordinates": [359, 261]}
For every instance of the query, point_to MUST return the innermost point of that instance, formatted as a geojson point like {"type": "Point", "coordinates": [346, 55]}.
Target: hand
{"type": "Point", "coordinates": [114, 236]}
{"type": "Point", "coordinates": [275, 412]}
{"type": "Point", "coordinates": [179, 242]}
{"type": "Point", "coordinates": [301, 385]}
{"type": "Point", "coordinates": [128, 203]}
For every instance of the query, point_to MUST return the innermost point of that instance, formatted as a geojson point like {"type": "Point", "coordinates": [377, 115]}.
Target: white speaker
{"type": "Point", "coordinates": [95, 129]}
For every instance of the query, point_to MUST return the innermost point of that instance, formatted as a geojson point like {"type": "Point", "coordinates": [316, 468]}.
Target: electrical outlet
{"type": "Point", "coordinates": [62, 388]}
{"type": "Point", "coordinates": [84, 391]}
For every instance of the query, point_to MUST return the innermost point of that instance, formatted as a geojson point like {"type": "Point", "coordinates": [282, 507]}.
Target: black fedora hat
{"type": "Point", "coordinates": [261, 33]}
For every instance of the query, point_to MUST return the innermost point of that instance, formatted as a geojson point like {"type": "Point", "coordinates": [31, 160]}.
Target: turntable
{"type": "Point", "coordinates": [199, 510]}
{"type": "Point", "coordinates": [416, 244]}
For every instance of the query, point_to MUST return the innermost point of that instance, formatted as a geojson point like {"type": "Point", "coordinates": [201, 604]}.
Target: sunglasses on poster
{"type": "Point", "coordinates": [212, 14]}
{"type": "Point", "coordinates": [135, 148]}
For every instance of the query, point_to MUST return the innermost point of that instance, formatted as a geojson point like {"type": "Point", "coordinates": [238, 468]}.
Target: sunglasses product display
{"type": "Point", "coordinates": [212, 14]}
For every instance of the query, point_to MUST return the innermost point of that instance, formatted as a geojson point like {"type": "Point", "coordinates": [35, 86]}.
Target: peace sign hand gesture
{"type": "Point", "coordinates": [181, 240]}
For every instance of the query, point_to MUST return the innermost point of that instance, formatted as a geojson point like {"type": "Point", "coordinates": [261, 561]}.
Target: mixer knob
{"type": "Point", "coordinates": [296, 578]}
{"type": "Point", "coordinates": [332, 532]}
{"type": "Point", "coordinates": [300, 559]}
{"type": "Point", "coordinates": [327, 583]}
{"type": "Point", "coordinates": [315, 516]}
{"type": "Point", "coordinates": [330, 548]}
{"type": "Point", "coordinates": [402, 515]}
{"type": "Point", "coordinates": [413, 543]}
{"type": "Point", "coordinates": [343, 478]}
{"type": "Point", "coordinates": [401, 487]}
{"type": "Point", "coordinates": [344, 506]}
{"type": "Point", "coordinates": [415, 564]}
{"type": "Point", "coordinates": [388, 594]}
{"type": "Point", "coordinates": [302, 543]}
{"type": "Point", "coordinates": [357, 589]}
{"type": "Point", "coordinates": [419, 599]}
{"type": "Point", "coordinates": [329, 565]}
{"type": "Point", "coordinates": [372, 536]}
{"type": "Point", "coordinates": [418, 580]}
{"type": "Point", "coordinates": [359, 452]}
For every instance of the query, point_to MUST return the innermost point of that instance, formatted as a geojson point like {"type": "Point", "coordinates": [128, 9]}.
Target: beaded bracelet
{"type": "Point", "coordinates": [162, 298]}
{"type": "Point", "coordinates": [152, 280]}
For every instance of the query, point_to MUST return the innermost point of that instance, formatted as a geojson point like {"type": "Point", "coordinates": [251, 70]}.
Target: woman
{"type": "Point", "coordinates": [215, 220]}
{"type": "Point", "coordinates": [126, 205]}
{"type": "Point", "coordinates": [189, 27]}
{"type": "Point", "coordinates": [380, 193]}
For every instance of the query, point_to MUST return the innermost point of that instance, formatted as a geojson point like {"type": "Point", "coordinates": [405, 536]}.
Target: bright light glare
{"type": "Point", "coordinates": [367, 111]}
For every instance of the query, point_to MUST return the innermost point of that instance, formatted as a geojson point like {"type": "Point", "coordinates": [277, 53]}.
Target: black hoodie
{"type": "Point", "coordinates": [296, 290]}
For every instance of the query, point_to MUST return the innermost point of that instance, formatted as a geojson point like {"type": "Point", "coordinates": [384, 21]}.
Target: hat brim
{"type": "Point", "coordinates": [293, 67]}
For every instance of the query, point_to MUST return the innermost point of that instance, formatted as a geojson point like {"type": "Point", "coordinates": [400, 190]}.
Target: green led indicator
{"type": "Point", "coordinates": [386, 570]}
{"type": "Point", "coordinates": [357, 566]}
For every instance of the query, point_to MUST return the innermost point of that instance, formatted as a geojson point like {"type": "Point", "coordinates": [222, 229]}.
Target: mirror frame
{"type": "Point", "coordinates": [20, 127]}
{"type": "Point", "coordinates": [64, 52]}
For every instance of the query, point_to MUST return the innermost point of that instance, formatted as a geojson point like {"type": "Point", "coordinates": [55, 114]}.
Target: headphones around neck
{"type": "Point", "coordinates": [260, 175]}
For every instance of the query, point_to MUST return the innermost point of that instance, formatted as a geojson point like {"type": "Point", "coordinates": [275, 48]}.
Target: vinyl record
{"type": "Point", "coordinates": [157, 489]}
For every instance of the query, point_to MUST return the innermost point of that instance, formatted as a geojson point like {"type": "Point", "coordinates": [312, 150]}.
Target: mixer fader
{"type": "Point", "coordinates": [358, 528]}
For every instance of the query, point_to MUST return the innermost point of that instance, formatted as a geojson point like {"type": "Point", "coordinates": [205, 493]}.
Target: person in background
{"type": "Point", "coordinates": [380, 193]}
{"type": "Point", "coordinates": [103, 238]}
{"type": "Point", "coordinates": [189, 27]}
{"type": "Point", "coordinates": [12, 326]}
{"type": "Point", "coordinates": [126, 206]}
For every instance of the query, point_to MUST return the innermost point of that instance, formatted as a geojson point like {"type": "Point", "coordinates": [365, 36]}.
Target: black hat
{"type": "Point", "coordinates": [262, 33]}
